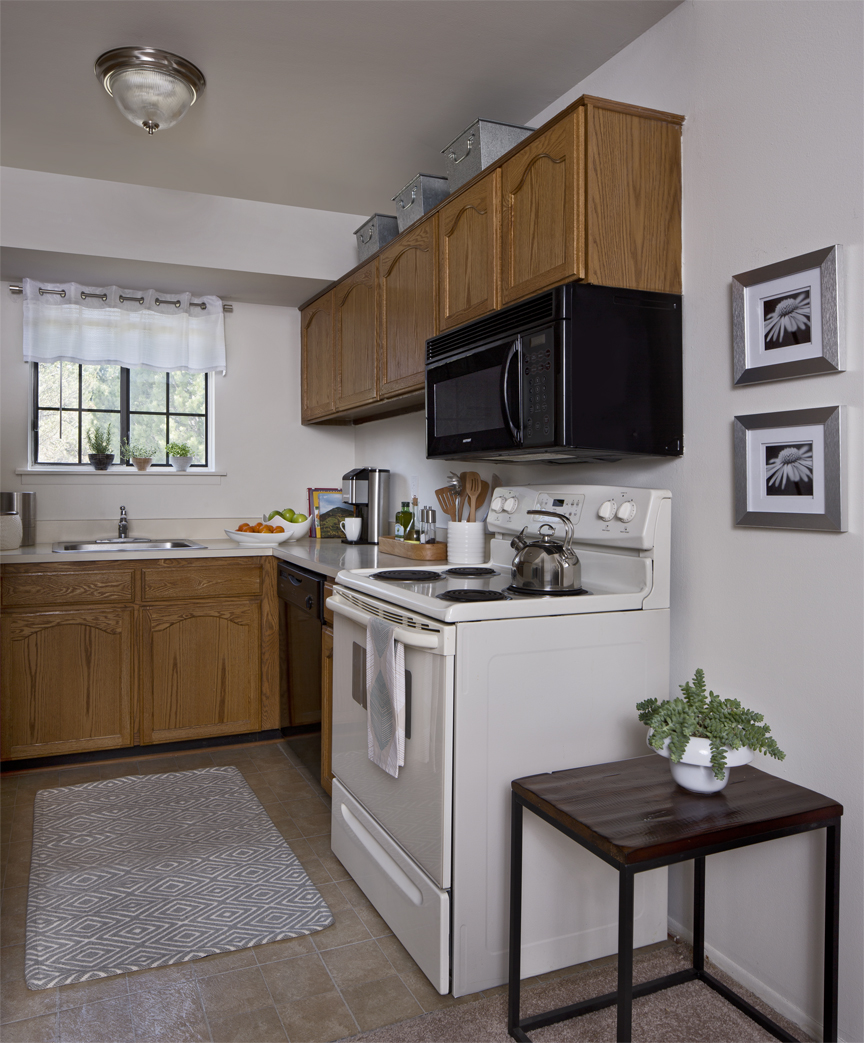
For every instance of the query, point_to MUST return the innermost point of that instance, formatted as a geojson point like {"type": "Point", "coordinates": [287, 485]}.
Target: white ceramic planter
{"type": "Point", "coordinates": [694, 772]}
{"type": "Point", "coordinates": [181, 463]}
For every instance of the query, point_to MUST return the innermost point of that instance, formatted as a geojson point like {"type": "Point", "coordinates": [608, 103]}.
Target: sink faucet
{"type": "Point", "coordinates": [123, 525]}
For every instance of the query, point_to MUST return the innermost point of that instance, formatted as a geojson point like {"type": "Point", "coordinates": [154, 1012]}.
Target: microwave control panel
{"type": "Point", "coordinates": [538, 389]}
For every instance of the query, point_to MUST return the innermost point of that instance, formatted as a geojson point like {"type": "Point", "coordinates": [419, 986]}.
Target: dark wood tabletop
{"type": "Point", "coordinates": [634, 811]}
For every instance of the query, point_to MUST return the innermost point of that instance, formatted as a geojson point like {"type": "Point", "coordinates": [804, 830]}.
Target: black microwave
{"type": "Point", "coordinates": [575, 374]}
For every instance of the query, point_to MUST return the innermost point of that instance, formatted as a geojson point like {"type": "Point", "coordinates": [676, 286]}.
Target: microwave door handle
{"type": "Point", "coordinates": [505, 387]}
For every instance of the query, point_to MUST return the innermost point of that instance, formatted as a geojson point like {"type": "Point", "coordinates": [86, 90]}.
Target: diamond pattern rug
{"type": "Point", "coordinates": [151, 870]}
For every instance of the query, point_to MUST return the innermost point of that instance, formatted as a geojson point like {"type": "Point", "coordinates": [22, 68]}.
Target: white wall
{"type": "Point", "coordinates": [270, 459]}
{"type": "Point", "coordinates": [772, 92]}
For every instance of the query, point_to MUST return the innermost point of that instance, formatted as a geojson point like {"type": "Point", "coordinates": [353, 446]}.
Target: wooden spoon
{"type": "Point", "coordinates": [473, 485]}
{"type": "Point", "coordinates": [447, 501]}
{"type": "Point", "coordinates": [463, 480]}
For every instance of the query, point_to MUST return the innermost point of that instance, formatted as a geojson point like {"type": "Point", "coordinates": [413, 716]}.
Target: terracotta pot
{"type": "Point", "coordinates": [142, 462]}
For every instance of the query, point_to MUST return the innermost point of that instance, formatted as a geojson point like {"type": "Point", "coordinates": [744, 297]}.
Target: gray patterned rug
{"type": "Point", "coordinates": [150, 870]}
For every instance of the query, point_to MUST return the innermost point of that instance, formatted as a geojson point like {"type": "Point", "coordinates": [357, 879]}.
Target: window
{"type": "Point", "coordinates": [141, 405]}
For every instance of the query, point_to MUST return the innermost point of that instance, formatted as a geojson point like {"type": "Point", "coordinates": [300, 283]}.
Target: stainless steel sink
{"type": "Point", "coordinates": [130, 543]}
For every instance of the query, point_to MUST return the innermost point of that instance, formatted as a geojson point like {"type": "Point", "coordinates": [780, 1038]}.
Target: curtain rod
{"type": "Point", "coordinates": [140, 300]}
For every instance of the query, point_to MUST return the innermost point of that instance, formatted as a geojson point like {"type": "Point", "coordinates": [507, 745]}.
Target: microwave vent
{"type": "Point", "coordinates": [518, 317]}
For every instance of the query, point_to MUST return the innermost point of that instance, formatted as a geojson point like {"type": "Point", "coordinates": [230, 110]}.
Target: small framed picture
{"type": "Point", "coordinates": [787, 318]}
{"type": "Point", "coordinates": [789, 469]}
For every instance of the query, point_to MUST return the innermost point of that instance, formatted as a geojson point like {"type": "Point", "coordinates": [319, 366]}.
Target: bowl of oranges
{"type": "Point", "coordinates": [270, 533]}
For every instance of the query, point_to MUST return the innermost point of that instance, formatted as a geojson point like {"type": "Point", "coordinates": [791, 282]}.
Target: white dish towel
{"type": "Point", "coordinates": [385, 690]}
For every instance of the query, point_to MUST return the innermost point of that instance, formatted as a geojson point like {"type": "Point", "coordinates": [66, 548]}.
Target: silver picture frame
{"type": "Point", "coordinates": [787, 318]}
{"type": "Point", "coordinates": [789, 469]}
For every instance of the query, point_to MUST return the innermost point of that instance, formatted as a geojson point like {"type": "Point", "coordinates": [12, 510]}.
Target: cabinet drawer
{"type": "Point", "coordinates": [176, 582]}
{"type": "Point", "coordinates": [66, 587]}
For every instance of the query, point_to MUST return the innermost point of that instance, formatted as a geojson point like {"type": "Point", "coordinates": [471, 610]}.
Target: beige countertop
{"type": "Point", "coordinates": [323, 556]}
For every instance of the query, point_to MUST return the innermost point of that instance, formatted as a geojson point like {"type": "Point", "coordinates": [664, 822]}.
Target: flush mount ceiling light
{"type": "Point", "coordinates": [152, 88]}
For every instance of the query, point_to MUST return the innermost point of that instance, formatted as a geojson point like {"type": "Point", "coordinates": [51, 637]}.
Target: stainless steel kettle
{"type": "Point", "coordinates": [546, 564]}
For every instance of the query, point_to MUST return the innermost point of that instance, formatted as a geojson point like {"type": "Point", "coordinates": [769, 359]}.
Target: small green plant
{"type": "Point", "coordinates": [99, 439]}
{"type": "Point", "coordinates": [178, 449]}
{"type": "Point", "coordinates": [141, 450]}
{"type": "Point", "coordinates": [724, 721]}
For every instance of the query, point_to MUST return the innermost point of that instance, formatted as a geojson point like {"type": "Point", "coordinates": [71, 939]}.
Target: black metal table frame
{"type": "Point", "coordinates": [627, 991]}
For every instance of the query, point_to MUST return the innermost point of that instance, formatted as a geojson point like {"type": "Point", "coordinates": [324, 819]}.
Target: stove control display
{"type": "Point", "coordinates": [626, 512]}
{"type": "Point", "coordinates": [568, 504]}
{"type": "Point", "coordinates": [607, 510]}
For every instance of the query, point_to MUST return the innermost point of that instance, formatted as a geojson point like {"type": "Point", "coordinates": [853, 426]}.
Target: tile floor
{"type": "Point", "coordinates": [349, 978]}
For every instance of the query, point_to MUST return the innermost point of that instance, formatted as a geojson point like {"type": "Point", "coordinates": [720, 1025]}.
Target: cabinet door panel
{"type": "Point", "coordinates": [356, 324]}
{"type": "Point", "coordinates": [409, 308]}
{"type": "Point", "coordinates": [67, 681]}
{"type": "Point", "coordinates": [201, 670]}
{"type": "Point", "coordinates": [542, 197]}
{"type": "Point", "coordinates": [468, 251]}
{"type": "Point", "coordinates": [317, 358]}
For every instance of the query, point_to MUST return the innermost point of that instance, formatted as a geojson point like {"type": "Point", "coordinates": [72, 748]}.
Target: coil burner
{"type": "Point", "coordinates": [472, 571]}
{"type": "Point", "coordinates": [473, 595]}
{"type": "Point", "coordinates": [408, 575]}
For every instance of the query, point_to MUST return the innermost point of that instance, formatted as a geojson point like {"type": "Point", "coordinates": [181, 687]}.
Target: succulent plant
{"type": "Point", "coordinates": [724, 721]}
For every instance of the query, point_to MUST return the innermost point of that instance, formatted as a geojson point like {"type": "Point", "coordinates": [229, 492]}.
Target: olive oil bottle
{"type": "Point", "coordinates": [405, 522]}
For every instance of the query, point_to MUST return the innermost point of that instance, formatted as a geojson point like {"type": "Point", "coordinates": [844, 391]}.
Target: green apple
{"type": "Point", "coordinates": [299, 518]}
{"type": "Point", "coordinates": [288, 514]}
{"type": "Point", "coordinates": [272, 515]}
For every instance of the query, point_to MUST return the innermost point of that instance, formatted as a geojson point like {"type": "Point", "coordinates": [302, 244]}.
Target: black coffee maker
{"type": "Point", "coordinates": [368, 489]}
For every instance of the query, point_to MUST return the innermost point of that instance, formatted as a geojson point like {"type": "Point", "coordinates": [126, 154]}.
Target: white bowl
{"type": "Point", "coordinates": [293, 531]}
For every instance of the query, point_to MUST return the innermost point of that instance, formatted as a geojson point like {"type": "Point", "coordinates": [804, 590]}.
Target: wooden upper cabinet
{"type": "Point", "coordinates": [542, 228]}
{"type": "Point", "coordinates": [633, 199]}
{"type": "Point", "coordinates": [408, 280]}
{"type": "Point", "coordinates": [355, 307]}
{"type": "Point", "coordinates": [318, 372]}
{"type": "Point", "coordinates": [468, 252]}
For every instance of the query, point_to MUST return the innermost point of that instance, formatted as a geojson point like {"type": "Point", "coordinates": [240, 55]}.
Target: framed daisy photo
{"type": "Point", "coordinates": [789, 469]}
{"type": "Point", "coordinates": [787, 318]}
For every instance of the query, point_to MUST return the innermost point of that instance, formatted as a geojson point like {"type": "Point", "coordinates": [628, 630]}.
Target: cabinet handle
{"type": "Point", "coordinates": [452, 155]}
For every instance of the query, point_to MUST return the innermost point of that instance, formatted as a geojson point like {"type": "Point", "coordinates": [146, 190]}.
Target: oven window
{"type": "Point", "coordinates": [468, 403]}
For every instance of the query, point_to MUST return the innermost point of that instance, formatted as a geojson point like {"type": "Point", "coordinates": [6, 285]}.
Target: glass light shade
{"type": "Point", "coordinates": [150, 97]}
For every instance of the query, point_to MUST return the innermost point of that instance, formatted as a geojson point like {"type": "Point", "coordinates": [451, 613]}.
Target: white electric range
{"type": "Point", "coordinates": [495, 690]}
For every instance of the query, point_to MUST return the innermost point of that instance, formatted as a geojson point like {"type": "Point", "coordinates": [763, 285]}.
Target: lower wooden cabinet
{"type": "Point", "coordinates": [200, 670]}
{"type": "Point", "coordinates": [191, 651]}
{"type": "Point", "coordinates": [67, 681]}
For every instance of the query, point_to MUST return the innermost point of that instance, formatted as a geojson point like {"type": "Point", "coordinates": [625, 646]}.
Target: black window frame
{"type": "Point", "coordinates": [123, 413]}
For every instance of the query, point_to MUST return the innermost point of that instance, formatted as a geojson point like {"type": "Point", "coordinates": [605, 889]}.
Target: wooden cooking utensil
{"type": "Point", "coordinates": [473, 485]}
{"type": "Point", "coordinates": [481, 496]}
{"type": "Point", "coordinates": [463, 479]}
{"type": "Point", "coordinates": [447, 501]}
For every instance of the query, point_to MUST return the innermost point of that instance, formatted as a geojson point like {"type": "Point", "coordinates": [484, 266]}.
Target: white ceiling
{"type": "Point", "coordinates": [328, 104]}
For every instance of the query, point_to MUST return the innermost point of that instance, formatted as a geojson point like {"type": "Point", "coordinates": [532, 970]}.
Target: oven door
{"type": "Point", "coordinates": [415, 808]}
{"type": "Point", "coordinates": [473, 401]}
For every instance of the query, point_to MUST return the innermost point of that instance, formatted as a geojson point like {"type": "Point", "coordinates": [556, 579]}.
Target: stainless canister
{"type": "Point", "coordinates": [24, 505]}
{"type": "Point", "coordinates": [418, 197]}
{"type": "Point", "coordinates": [478, 146]}
{"type": "Point", "coordinates": [375, 233]}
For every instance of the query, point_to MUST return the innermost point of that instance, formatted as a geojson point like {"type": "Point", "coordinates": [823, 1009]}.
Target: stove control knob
{"type": "Point", "coordinates": [626, 512]}
{"type": "Point", "coordinates": [497, 504]}
{"type": "Point", "coordinates": [510, 504]}
{"type": "Point", "coordinates": [607, 510]}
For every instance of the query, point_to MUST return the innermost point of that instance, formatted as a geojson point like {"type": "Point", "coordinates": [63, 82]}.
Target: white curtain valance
{"type": "Point", "coordinates": [128, 328]}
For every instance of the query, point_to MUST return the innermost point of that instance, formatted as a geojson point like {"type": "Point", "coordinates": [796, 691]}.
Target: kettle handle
{"type": "Point", "coordinates": [568, 528]}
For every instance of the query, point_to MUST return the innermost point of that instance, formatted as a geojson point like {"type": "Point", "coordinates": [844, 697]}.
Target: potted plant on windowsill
{"type": "Point", "coordinates": [180, 455]}
{"type": "Point", "coordinates": [704, 736]}
{"type": "Point", "coordinates": [99, 443]}
{"type": "Point", "coordinates": [139, 453]}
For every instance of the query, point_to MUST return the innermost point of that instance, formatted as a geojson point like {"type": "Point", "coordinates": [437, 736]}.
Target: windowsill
{"type": "Point", "coordinates": [115, 475]}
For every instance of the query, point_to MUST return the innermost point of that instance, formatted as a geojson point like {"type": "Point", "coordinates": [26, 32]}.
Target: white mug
{"type": "Point", "coordinates": [351, 528]}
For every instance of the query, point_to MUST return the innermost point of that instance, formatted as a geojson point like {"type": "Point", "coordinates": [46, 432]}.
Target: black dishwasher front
{"type": "Point", "coordinates": [303, 594]}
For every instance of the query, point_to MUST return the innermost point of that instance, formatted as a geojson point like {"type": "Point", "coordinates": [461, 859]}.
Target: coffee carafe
{"type": "Point", "coordinates": [368, 489]}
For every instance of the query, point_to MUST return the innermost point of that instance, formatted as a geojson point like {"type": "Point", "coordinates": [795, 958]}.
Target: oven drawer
{"type": "Point", "coordinates": [415, 909]}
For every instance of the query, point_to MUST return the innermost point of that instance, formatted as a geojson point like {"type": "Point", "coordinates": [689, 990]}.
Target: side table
{"type": "Point", "coordinates": [632, 815]}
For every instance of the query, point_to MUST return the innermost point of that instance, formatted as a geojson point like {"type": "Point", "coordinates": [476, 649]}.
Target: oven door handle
{"type": "Point", "coordinates": [407, 637]}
